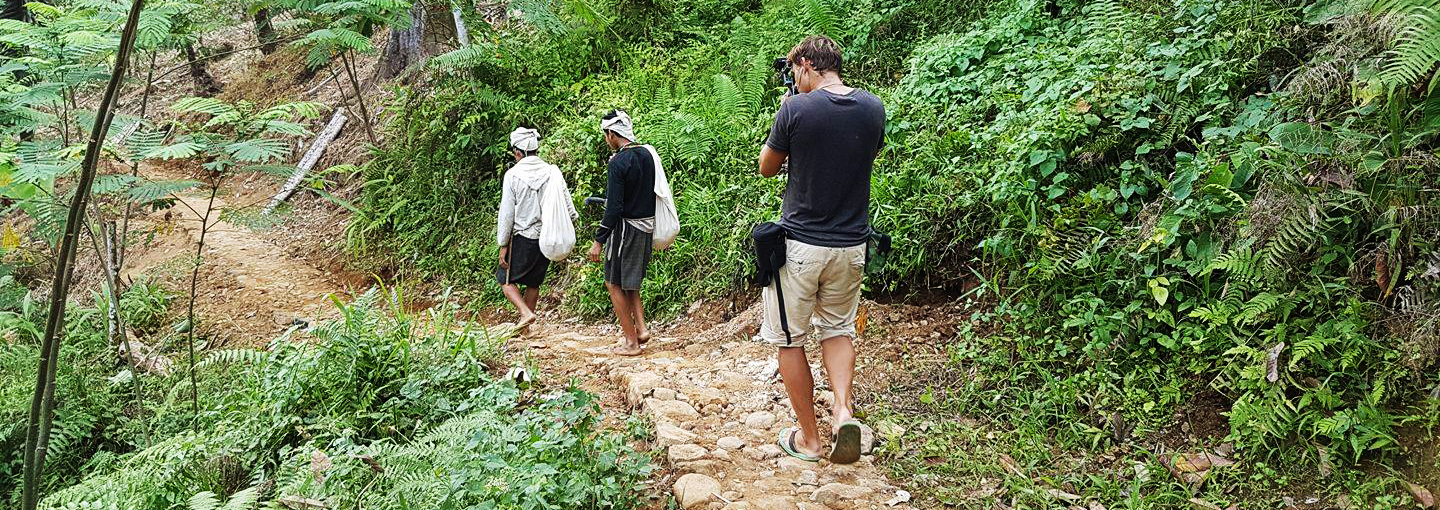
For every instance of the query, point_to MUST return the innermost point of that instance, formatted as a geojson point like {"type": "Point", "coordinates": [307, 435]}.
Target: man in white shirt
{"type": "Point", "coordinates": [518, 226]}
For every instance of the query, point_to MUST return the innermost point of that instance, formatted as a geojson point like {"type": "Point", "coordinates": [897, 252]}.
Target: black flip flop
{"type": "Point", "coordinates": [846, 449]}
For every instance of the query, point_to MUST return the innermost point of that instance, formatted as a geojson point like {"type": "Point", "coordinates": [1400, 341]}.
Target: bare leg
{"type": "Point", "coordinates": [512, 292]}
{"type": "Point", "coordinates": [631, 345]}
{"type": "Point", "coordinates": [838, 355]}
{"type": "Point", "coordinates": [795, 371]}
{"type": "Point", "coordinates": [532, 298]}
{"type": "Point", "coordinates": [642, 333]}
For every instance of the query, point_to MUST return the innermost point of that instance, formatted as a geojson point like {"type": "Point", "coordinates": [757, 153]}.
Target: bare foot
{"type": "Point", "coordinates": [526, 319]}
{"type": "Point", "coordinates": [839, 415]}
{"type": "Point", "coordinates": [644, 337]}
{"type": "Point", "coordinates": [623, 349]}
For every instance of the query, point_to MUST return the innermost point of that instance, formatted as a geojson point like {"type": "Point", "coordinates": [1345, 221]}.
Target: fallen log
{"type": "Point", "coordinates": [311, 157]}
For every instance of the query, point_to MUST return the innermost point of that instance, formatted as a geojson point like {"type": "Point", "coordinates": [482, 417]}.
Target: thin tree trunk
{"type": "Point", "coordinates": [37, 433]}
{"type": "Point", "coordinates": [194, 286]}
{"type": "Point", "coordinates": [359, 97]}
{"type": "Point", "coordinates": [265, 31]}
{"type": "Point", "coordinates": [205, 84]}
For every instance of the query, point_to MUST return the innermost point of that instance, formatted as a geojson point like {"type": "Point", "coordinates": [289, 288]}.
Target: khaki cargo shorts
{"type": "Point", "coordinates": [822, 293]}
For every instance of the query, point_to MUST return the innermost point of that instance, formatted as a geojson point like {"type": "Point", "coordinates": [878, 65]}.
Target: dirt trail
{"type": "Point", "coordinates": [250, 289]}
{"type": "Point", "coordinates": [718, 406]}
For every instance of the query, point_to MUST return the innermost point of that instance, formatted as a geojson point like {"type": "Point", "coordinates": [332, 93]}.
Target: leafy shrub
{"type": "Point", "coordinates": [406, 391]}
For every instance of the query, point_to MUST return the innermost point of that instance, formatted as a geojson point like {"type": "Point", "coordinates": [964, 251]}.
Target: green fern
{"type": "Point", "coordinates": [471, 56]}
{"type": "Point", "coordinates": [1418, 50]}
{"type": "Point", "coordinates": [242, 500]}
{"type": "Point", "coordinates": [154, 190]}
{"type": "Point", "coordinates": [1258, 307]}
{"type": "Point", "coordinates": [1296, 235]}
{"type": "Point", "coordinates": [1106, 16]}
{"type": "Point", "coordinates": [1242, 263]}
{"type": "Point", "coordinates": [234, 357]}
{"type": "Point", "coordinates": [725, 97]}
{"type": "Point", "coordinates": [816, 16]}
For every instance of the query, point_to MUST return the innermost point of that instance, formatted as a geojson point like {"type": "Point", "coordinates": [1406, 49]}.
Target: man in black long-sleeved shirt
{"type": "Point", "coordinates": [626, 233]}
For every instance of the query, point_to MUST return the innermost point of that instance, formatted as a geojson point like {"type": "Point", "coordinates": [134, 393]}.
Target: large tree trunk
{"type": "Point", "coordinates": [404, 49]}
{"type": "Point", "coordinates": [264, 31]}
{"type": "Point", "coordinates": [205, 84]}
{"type": "Point", "coordinates": [15, 9]}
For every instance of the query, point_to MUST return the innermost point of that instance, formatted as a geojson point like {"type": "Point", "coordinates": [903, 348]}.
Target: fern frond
{"type": "Point", "coordinates": [1295, 236]}
{"type": "Point", "coordinates": [258, 150]}
{"type": "Point", "coordinates": [1418, 49]}
{"type": "Point", "coordinates": [235, 357]}
{"type": "Point", "coordinates": [155, 190]}
{"type": "Point", "coordinates": [816, 16]}
{"type": "Point", "coordinates": [726, 97]}
{"type": "Point", "coordinates": [1258, 307]}
{"type": "Point", "coordinates": [110, 184]}
{"type": "Point", "coordinates": [1104, 16]}
{"type": "Point", "coordinates": [180, 150]}
{"type": "Point", "coordinates": [468, 57]}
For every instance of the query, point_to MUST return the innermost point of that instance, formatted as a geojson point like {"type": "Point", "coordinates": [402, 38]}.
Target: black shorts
{"type": "Point", "coordinates": [627, 256]}
{"type": "Point", "coordinates": [527, 263]}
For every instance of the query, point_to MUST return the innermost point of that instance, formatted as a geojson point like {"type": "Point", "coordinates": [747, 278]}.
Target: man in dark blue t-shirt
{"type": "Point", "coordinates": [830, 134]}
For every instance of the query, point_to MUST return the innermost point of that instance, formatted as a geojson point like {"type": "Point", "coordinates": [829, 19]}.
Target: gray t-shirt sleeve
{"type": "Point", "coordinates": [779, 139]}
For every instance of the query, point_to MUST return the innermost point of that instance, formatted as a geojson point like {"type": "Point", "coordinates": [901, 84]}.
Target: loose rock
{"type": "Point", "coordinates": [766, 452]}
{"type": "Point", "coordinates": [706, 467]}
{"type": "Point", "coordinates": [664, 394]}
{"type": "Point", "coordinates": [867, 439]}
{"type": "Point", "coordinates": [667, 435]}
{"type": "Point", "coordinates": [760, 420]}
{"type": "Point", "coordinates": [640, 385]}
{"type": "Point", "coordinates": [685, 453]}
{"type": "Point", "coordinates": [730, 443]}
{"type": "Point", "coordinates": [839, 495]}
{"type": "Point", "coordinates": [673, 410]}
{"type": "Point", "coordinates": [770, 502]}
{"type": "Point", "coordinates": [695, 490]}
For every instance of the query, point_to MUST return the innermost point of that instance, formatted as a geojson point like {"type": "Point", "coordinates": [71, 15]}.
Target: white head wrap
{"type": "Point", "coordinates": [620, 125]}
{"type": "Point", "coordinates": [525, 139]}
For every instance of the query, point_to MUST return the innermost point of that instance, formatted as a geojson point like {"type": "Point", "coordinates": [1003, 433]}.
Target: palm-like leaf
{"type": "Point", "coordinates": [208, 105]}
{"type": "Point", "coordinates": [180, 150]}
{"type": "Point", "coordinates": [258, 150]}
{"type": "Point", "coordinates": [111, 184]}
{"type": "Point", "coordinates": [280, 127]}
{"type": "Point", "coordinates": [147, 192]}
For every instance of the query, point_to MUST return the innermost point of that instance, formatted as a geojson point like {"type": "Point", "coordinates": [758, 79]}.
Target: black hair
{"type": "Point", "coordinates": [525, 152]}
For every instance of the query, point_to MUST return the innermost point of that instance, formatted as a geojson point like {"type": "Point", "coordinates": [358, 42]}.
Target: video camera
{"type": "Point", "coordinates": [784, 73]}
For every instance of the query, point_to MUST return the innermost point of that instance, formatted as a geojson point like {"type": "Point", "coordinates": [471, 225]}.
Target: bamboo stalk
{"type": "Point", "coordinates": [37, 434]}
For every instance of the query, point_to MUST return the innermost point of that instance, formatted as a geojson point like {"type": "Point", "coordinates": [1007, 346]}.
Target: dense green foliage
{"type": "Point", "coordinates": [1161, 200]}
{"type": "Point", "coordinates": [382, 409]}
